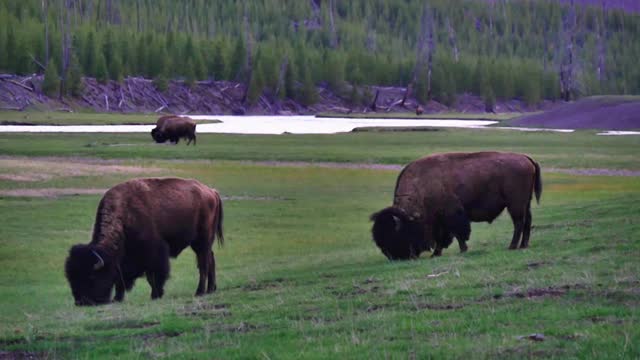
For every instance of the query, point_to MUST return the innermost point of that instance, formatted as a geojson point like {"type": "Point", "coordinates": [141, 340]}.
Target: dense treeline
{"type": "Point", "coordinates": [502, 49]}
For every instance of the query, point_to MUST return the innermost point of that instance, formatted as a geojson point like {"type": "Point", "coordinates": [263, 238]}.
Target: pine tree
{"type": "Point", "coordinates": [74, 77]}
{"type": "Point", "coordinates": [90, 55]}
{"type": "Point", "coordinates": [289, 82]}
{"type": "Point", "coordinates": [115, 70]}
{"type": "Point", "coordinates": [237, 61]}
{"type": "Point", "coordinates": [51, 83]}
{"type": "Point", "coordinates": [189, 74]}
{"type": "Point", "coordinates": [102, 74]}
{"type": "Point", "coordinates": [11, 49]}
{"type": "Point", "coordinates": [160, 82]}
{"type": "Point", "coordinates": [308, 93]}
{"type": "Point", "coordinates": [256, 86]}
{"type": "Point", "coordinates": [23, 60]}
{"type": "Point", "coordinates": [217, 66]}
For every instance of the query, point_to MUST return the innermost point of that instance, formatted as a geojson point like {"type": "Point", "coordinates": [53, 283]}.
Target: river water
{"type": "Point", "coordinates": [285, 124]}
{"type": "Point", "coordinates": [261, 125]}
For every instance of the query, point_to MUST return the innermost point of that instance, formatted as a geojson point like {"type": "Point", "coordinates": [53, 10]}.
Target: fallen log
{"type": "Point", "coordinates": [19, 84]}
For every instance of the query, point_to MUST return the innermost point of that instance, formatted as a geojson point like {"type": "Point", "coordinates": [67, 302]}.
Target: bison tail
{"type": "Point", "coordinates": [537, 186]}
{"type": "Point", "coordinates": [220, 217]}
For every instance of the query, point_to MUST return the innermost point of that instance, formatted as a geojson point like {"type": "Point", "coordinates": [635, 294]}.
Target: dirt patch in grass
{"type": "Point", "coordinates": [366, 287]}
{"type": "Point", "coordinates": [265, 284]}
{"type": "Point", "coordinates": [560, 225]}
{"type": "Point", "coordinates": [50, 192]}
{"type": "Point", "coordinates": [533, 293]}
{"type": "Point", "coordinates": [25, 169]}
{"type": "Point", "coordinates": [594, 172]}
{"type": "Point", "coordinates": [20, 355]}
{"type": "Point", "coordinates": [330, 165]}
{"type": "Point", "coordinates": [122, 324]}
{"type": "Point", "coordinates": [397, 167]}
{"type": "Point", "coordinates": [254, 198]}
{"type": "Point", "coordinates": [205, 311]}
{"type": "Point", "coordinates": [453, 306]}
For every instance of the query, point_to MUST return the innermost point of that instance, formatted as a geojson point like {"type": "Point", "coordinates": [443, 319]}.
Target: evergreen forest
{"type": "Point", "coordinates": [501, 49]}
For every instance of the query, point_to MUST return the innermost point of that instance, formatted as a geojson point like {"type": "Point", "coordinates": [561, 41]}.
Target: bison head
{"type": "Point", "coordinates": [397, 236]}
{"type": "Point", "coordinates": [158, 136]}
{"type": "Point", "coordinates": [90, 275]}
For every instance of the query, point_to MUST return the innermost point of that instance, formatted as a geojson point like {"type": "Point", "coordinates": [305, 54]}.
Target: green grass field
{"type": "Point", "coordinates": [78, 118]}
{"type": "Point", "coordinates": [299, 276]}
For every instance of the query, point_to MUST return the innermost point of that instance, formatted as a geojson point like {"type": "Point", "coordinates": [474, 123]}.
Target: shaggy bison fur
{"type": "Point", "coordinates": [437, 197]}
{"type": "Point", "coordinates": [172, 128]}
{"type": "Point", "coordinates": [139, 225]}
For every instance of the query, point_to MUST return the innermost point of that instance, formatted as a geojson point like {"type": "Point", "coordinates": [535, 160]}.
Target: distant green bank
{"type": "Point", "coordinates": [79, 118]}
{"type": "Point", "coordinates": [413, 116]}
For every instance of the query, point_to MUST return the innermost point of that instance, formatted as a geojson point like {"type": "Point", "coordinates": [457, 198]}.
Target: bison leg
{"type": "Point", "coordinates": [158, 273]}
{"type": "Point", "coordinates": [203, 267]}
{"type": "Point", "coordinates": [527, 230]}
{"type": "Point", "coordinates": [211, 283]}
{"type": "Point", "coordinates": [119, 291]}
{"type": "Point", "coordinates": [518, 218]}
{"type": "Point", "coordinates": [459, 225]}
{"type": "Point", "coordinates": [437, 251]}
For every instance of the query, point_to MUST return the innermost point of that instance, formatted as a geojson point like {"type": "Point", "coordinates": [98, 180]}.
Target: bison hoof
{"type": "Point", "coordinates": [513, 247]}
{"type": "Point", "coordinates": [212, 289]}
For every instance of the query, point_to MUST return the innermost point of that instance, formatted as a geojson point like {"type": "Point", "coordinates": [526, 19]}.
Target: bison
{"type": "Point", "coordinates": [140, 224]}
{"type": "Point", "coordinates": [437, 197]}
{"type": "Point", "coordinates": [172, 128]}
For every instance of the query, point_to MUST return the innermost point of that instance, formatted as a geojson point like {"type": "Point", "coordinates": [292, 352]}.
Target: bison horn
{"type": "Point", "coordinates": [100, 263]}
{"type": "Point", "coordinates": [397, 222]}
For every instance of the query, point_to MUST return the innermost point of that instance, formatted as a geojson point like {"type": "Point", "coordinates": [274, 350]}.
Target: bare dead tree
{"type": "Point", "coordinates": [249, 60]}
{"type": "Point", "coordinates": [283, 71]}
{"type": "Point", "coordinates": [109, 11]}
{"type": "Point", "coordinates": [374, 105]}
{"type": "Point", "coordinates": [430, 50]}
{"type": "Point", "coordinates": [64, 23]}
{"type": "Point", "coordinates": [371, 43]}
{"type": "Point", "coordinates": [425, 44]}
{"type": "Point", "coordinates": [138, 25]}
{"type": "Point", "coordinates": [334, 37]}
{"type": "Point", "coordinates": [602, 46]}
{"type": "Point", "coordinates": [453, 41]}
{"type": "Point", "coordinates": [567, 63]}
{"type": "Point", "coordinates": [45, 18]}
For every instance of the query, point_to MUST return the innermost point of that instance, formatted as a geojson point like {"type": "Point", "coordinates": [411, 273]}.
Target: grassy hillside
{"type": "Point", "coordinates": [597, 112]}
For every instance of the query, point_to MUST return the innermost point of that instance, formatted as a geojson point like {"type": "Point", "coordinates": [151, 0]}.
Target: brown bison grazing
{"type": "Point", "coordinates": [172, 128]}
{"type": "Point", "coordinates": [139, 225]}
{"type": "Point", "coordinates": [437, 197]}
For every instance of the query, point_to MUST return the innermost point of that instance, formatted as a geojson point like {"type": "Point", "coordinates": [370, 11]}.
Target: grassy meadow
{"type": "Point", "coordinates": [299, 276]}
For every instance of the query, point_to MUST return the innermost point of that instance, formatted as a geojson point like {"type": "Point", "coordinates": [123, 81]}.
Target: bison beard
{"type": "Point", "coordinates": [437, 197]}
{"type": "Point", "coordinates": [139, 225]}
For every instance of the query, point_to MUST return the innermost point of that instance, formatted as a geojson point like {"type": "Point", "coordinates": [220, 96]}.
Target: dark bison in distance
{"type": "Point", "coordinates": [139, 225]}
{"type": "Point", "coordinates": [172, 128]}
{"type": "Point", "coordinates": [437, 197]}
